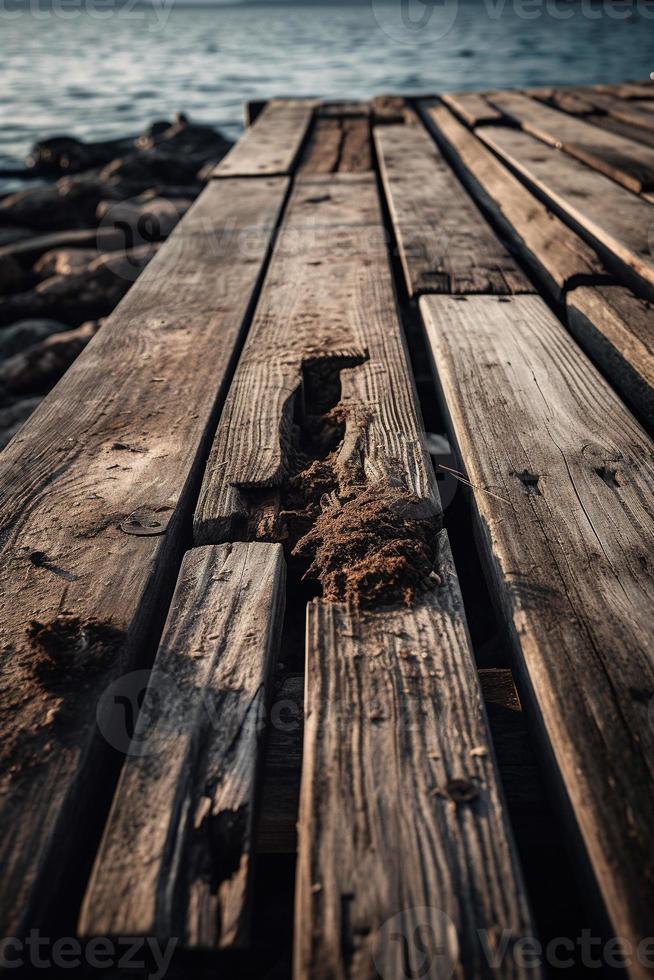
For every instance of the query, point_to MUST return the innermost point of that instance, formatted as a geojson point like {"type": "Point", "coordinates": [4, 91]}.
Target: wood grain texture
{"type": "Point", "coordinates": [176, 858]}
{"type": "Point", "coordinates": [471, 107]}
{"type": "Point", "coordinates": [617, 222]}
{"type": "Point", "coordinates": [557, 256]}
{"type": "Point", "coordinates": [563, 479]}
{"type": "Point", "coordinates": [445, 244]}
{"type": "Point", "coordinates": [270, 146]}
{"type": "Point", "coordinates": [338, 145]}
{"type": "Point", "coordinates": [120, 439]}
{"type": "Point", "coordinates": [625, 161]}
{"type": "Point", "coordinates": [328, 296]}
{"type": "Point", "coordinates": [401, 818]}
{"type": "Point", "coordinates": [616, 329]}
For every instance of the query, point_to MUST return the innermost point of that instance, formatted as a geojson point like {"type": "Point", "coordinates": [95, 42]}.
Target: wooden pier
{"type": "Point", "coordinates": [392, 684]}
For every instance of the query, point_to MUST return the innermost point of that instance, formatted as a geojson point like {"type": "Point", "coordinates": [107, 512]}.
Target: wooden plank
{"type": "Point", "coordinates": [616, 222]}
{"type": "Point", "coordinates": [625, 161]}
{"type": "Point", "coordinates": [176, 857]}
{"type": "Point", "coordinates": [94, 493]}
{"type": "Point", "coordinates": [564, 482]}
{"type": "Point", "coordinates": [616, 329]}
{"type": "Point", "coordinates": [445, 244]}
{"type": "Point", "coordinates": [623, 129]}
{"type": "Point", "coordinates": [628, 90]}
{"type": "Point", "coordinates": [402, 821]}
{"type": "Point", "coordinates": [338, 145]}
{"type": "Point", "coordinates": [573, 102]}
{"type": "Point", "coordinates": [623, 110]}
{"type": "Point", "coordinates": [471, 107]}
{"type": "Point", "coordinates": [270, 146]}
{"type": "Point", "coordinates": [557, 256]}
{"type": "Point", "coordinates": [325, 337]}
{"type": "Point", "coordinates": [390, 110]}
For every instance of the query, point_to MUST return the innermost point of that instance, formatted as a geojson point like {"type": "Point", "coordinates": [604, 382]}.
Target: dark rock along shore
{"type": "Point", "coordinates": [73, 243]}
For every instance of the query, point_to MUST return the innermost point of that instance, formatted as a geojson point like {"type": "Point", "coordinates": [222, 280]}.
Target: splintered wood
{"type": "Point", "coordinates": [328, 305]}
{"type": "Point", "coordinates": [176, 857]}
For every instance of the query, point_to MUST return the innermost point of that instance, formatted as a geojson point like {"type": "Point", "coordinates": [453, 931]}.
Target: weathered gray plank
{"type": "Point", "coordinates": [325, 337]}
{"type": "Point", "coordinates": [445, 244]}
{"type": "Point", "coordinates": [564, 481]}
{"type": "Point", "coordinates": [338, 145]}
{"type": "Point", "coordinates": [616, 329]}
{"type": "Point", "coordinates": [117, 444]}
{"type": "Point", "coordinates": [617, 222]}
{"type": "Point", "coordinates": [625, 161]}
{"type": "Point", "coordinates": [472, 107]}
{"type": "Point", "coordinates": [622, 109]}
{"type": "Point", "coordinates": [557, 256]}
{"type": "Point", "coordinates": [176, 857]}
{"type": "Point", "coordinates": [401, 819]}
{"type": "Point", "coordinates": [270, 146]}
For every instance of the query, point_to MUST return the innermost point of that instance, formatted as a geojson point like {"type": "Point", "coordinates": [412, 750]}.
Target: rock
{"type": "Point", "coordinates": [39, 367]}
{"type": "Point", "coordinates": [189, 138]}
{"type": "Point", "coordinates": [64, 262]}
{"type": "Point", "coordinates": [141, 170]}
{"type": "Point", "coordinates": [12, 275]}
{"type": "Point", "coordinates": [14, 416]}
{"type": "Point", "coordinates": [65, 155]}
{"type": "Point", "coordinates": [9, 236]}
{"type": "Point", "coordinates": [70, 203]}
{"type": "Point", "coordinates": [25, 333]}
{"type": "Point", "coordinates": [100, 239]}
{"type": "Point", "coordinates": [148, 221]}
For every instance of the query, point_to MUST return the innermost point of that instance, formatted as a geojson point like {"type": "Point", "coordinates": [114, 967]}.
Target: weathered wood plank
{"type": "Point", "coordinates": [113, 453]}
{"type": "Point", "coordinates": [338, 145]}
{"type": "Point", "coordinates": [391, 110]}
{"type": "Point", "coordinates": [325, 336]}
{"type": "Point", "coordinates": [176, 856]}
{"type": "Point", "coordinates": [402, 821]}
{"type": "Point", "coordinates": [445, 244]}
{"type": "Point", "coordinates": [270, 146]}
{"type": "Point", "coordinates": [618, 223]}
{"type": "Point", "coordinates": [564, 481]}
{"type": "Point", "coordinates": [628, 90]}
{"type": "Point", "coordinates": [623, 129]}
{"type": "Point", "coordinates": [573, 102]}
{"type": "Point", "coordinates": [622, 109]}
{"type": "Point", "coordinates": [557, 256]}
{"type": "Point", "coordinates": [472, 107]}
{"type": "Point", "coordinates": [616, 329]}
{"type": "Point", "coordinates": [625, 161]}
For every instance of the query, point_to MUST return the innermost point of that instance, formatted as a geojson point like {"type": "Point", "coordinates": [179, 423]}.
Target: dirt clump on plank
{"type": "Point", "coordinates": [66, 646]}
{"type": "Point", "coordinates": [368, 549]}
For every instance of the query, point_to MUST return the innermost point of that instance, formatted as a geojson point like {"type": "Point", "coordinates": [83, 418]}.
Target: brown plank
{"type": "Point", "coordinates": [616, 329]}
{"type": "Point", "coordinates": [616, 221]}
{"type": "Point", "coordinates": [623, 110]}
{"type": "Point", "coordinates": [325, 336]}
{"type": "Point", "coordinates": [625, 161]}
{"type": "Point", "coordinates": [176, 857]}
{"type": "Point", "coordinates": [628, 90]}
{"type": "Point", "coordinates": [119, 443]}
{"type": "Point", "coordinates": [623, 129]}
{"type": "Point", "coordinates": [270, 146]}
{"type": "Point", "coordinates": [564, 482]}
{"type": "Point", "coordinates": [573, 102]}
{"type": "Point", "coordinates": [390, 110]}
{"type": "Point", "coordinates": [471, 107]}
{"type": "Point", "coordinates": [445, 244]}
{"type": "Point", "coordinates": [557, 256]}
{"type": "Point", "coordinates": [401, 819]}
{"type": "Point", "coordinates": [338, 145]}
